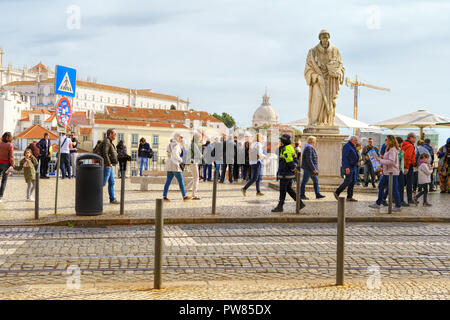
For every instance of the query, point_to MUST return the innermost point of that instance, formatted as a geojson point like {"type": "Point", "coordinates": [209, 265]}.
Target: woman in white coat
{"type": "Point", "coordinates": [173, 166]}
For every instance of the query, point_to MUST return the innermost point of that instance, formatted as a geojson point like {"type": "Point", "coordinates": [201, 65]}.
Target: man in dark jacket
{"type": "Point", "coordinates": [44, 152]}
{"type": "Point", "coordinates": [109, 154]}
{"type": "Point", "coordinates": [144, 153]}
{"type": "Point", "coordinates": [368, 168]}
{"type": "Point", "coordinates": [287, 169]}
{"type": "Point", "coordinates": [310, 166]}
{"type": "Point", "coordinates": [349, 161]}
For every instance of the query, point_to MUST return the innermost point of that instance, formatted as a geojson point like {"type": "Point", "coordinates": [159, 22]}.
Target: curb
{"type": "Point", "coordinates": [223, 220]}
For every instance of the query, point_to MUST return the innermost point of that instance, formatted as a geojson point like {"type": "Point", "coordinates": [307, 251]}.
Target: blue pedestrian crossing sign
{"type": "Point", "coordinates": [66, 81]}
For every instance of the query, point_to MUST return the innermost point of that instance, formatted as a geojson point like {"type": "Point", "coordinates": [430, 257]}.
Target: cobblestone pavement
{"type": "Point", "coordinates": [230, 203]}
{"type": "Point", "coordinates": [226, 261]}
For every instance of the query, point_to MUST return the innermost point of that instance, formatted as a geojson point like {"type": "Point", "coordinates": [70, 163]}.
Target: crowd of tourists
{"type": "Point", "coordinates": [241, 160]}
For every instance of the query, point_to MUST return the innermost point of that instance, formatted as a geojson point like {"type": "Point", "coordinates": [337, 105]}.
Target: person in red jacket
{"type": "Point", "coordinates": [410, 161]}
{"type": "Point", "coordinates": [6, 160]}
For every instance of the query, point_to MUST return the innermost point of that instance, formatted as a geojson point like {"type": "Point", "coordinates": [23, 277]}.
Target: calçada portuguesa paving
{"type": "Point", "coordinates": [226, 261]}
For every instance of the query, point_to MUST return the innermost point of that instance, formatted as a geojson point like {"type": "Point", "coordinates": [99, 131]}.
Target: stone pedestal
{"type": "Point", "coordinates": [329, 149]}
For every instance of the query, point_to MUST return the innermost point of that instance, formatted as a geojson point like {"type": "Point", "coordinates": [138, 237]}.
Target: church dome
{"type": "Point", "coordinates": [265, 114]}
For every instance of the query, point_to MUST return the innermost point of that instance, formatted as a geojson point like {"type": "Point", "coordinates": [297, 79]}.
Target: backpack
{"type": "Point", "coordinates": [99, 149]}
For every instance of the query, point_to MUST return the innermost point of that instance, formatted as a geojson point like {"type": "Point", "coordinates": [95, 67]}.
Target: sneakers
{"type": "Point", "coordinates": [259, 194]}
{"type": "Point", "coordinates": [244, 191]}
{"type": "Point", "coordinates": [404, 204]}
{"type": "Point", "coordinates": [1, 200]}
{"type": "Point", "coordinates": [396, 209]}
{"type": "Point", "coordinates": [166, 199]}
{"type": "Point", "coordinates": [114, 202]}
{"type": "Point", "coordinates": [374, 206]}
{"type": "Point", "coordinates": [336, 195]}
{"type": "Point", "coordinates": [352, 200]}
{"type": "Point", "coordinates": [427, 204]}
{"type": "Point", "coordinates": [385, 203]}
{"type": "Point", "coordinates": [320, 196]}
{"type": "Point", "coordinates": [304, 198]}
{"type": "Point", "coordinates": [302, 205]}
{"type": "Point", "coordinates": [416, 202]}
{"type": "Point", "coordinates": [195, 198]}
{"type": "Point", "coordinates": [30, 200]}
{"type": "Point", "coordinates": [187, 198]}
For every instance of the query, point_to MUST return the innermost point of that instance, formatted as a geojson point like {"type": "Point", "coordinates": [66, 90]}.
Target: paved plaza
{"type": "Point", "coordinates": [240, 261]}
{"type": "Point", "coordinates": [230, 203]}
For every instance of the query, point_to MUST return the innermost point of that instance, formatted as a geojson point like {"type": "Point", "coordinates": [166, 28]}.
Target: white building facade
{"type": "Point", "coordinates": [11, 107]}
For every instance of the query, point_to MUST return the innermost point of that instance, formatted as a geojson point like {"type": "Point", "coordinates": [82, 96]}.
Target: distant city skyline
{"type": "Point", "coordinates": [222, 55]}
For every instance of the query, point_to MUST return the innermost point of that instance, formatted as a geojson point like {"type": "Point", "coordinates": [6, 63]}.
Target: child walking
{"type": "Point", "coordinates": [27, 164]}
{"type": "Point", "coordinates": [424, 179]}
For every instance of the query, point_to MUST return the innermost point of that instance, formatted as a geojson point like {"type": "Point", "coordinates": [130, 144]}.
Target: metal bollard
{"type": "Point", "coordinates": [390, 186]}
{"type": "Point", "coordinates": [122, 191]}
{"type": "Point", "coordinates": [214, 196]}
{"type": "Point", "coordinates": [158, 244]}
{"type": "Point", "coordinates": [297, 201]}
{"type": "Point", "coordinates": [36, 197]}
{"type": "Point", "coordinates": [340, 242]}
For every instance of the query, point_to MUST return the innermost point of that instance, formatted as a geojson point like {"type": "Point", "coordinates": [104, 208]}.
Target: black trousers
{"type": "Point", "coordinates": [423, 190]}
{"type": "Point", "coordinates": [224, 171]}
{"type": "Point", "coordinates": [44, 165]}
{"type": "Point", "coordinates": [286, 187]}
{"type": "Point", "coordinates": [236, 169]}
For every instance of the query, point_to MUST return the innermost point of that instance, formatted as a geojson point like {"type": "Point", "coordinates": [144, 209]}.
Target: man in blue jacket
{"type": "Point", "coordinates": [349, 163]}
{"type": "Point", "coordinates": [310, 166]}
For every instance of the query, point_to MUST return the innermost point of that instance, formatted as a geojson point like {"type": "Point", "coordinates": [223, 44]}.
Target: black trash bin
{"type": "Point", "coordinates": [89, 185]}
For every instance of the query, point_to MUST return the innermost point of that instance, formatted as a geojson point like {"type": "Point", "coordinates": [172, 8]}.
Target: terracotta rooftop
{"type": "Point", "coordinates": [25, 114]}
{"type": "Point", "coordinates": [157, 114]}
{"type": "Point", "coordinates": [35, 132]}
{"type": "Point", "coordinates": [139, 123]}
{"type": "Point", "coordinates": [39, 66]}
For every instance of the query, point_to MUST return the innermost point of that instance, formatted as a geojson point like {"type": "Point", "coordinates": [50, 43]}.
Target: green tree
{"type": "Point", "coordinates": [227, 119]}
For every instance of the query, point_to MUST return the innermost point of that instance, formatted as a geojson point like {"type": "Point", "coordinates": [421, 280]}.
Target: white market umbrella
{"type": "Point", "coordinates": [419, 119]}
{"type": "Point", "coordinates": [340, 121]}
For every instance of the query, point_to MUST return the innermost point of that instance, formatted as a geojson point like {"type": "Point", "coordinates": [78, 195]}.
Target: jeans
{"type": "Point", "coordinates": [368, 170]}
{"type": "Point", "coordinates": [306, 175]}
{"type": "Point", "coordinates": [207, 167]}
{"type": "Point", "coordinates": [108, 176]}
{"type": "Point", "coordinates": [383, 185]}
{"type": "Point", "coordinates": [65, 165]}
{"type": "Point", "coordinates": [179, 177]}
{"type": "Point", "coordinates": [245, 171]}
{"type": "Point", "coordinates": [255, 176]}
{"type": "Point", "coordinates": [143, 162]}
{"type": "Point", "coordinates": [349, 182]}
{"type": "Point", "coordinates": [3, 168]}
{"type": "Point", "coordinates": [409, 183]}
{"type": "Point", "coordinates": [423, 190]}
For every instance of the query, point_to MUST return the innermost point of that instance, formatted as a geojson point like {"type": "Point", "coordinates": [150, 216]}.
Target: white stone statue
{"type": "Point", "coordinates": [324, 72]}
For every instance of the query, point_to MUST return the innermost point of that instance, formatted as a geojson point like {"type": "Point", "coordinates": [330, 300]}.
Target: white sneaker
{"type": "Point", "coordinates": [1, 200]}
{"type": "Point", "coordinates": [30, 200]}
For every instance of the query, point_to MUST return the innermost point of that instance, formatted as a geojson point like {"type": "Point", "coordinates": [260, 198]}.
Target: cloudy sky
{"type": "Point", "coordinates": [222, 53]}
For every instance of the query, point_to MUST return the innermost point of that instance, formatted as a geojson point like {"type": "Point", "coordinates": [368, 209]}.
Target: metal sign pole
{"type": "Point", "coordinates": [58, 163]}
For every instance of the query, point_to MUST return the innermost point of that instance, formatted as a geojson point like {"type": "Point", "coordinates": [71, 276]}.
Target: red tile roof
{"type": "Point", "coordinates": [158, 114]}
{"type": "Point", "coordinates": [25, 114]}
{"type": "Point", "coordinates": [41, 66]}
{"type": "Point", "coordinates": [35, 132]}
{"type": "Point", "coordinates": [140, 123]}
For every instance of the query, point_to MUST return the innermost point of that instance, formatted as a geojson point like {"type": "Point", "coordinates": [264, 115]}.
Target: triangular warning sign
{"type": "Point", "coordinates": [65, 85]}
